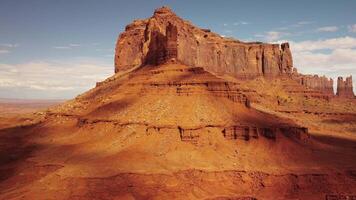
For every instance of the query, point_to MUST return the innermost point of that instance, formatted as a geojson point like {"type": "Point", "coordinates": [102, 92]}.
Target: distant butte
{"type": "Point", "coordinates": [166, 37]}
{"type": "Point", "coordinates": [344, 88]}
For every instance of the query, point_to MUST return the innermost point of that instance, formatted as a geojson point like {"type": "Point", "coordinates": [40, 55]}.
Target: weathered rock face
{"type": "Point", "coordinates": [345, 88]}
{"type": "Point", "coordinates": [165, 37]}
{"type": "Point", "coordinates": [315, 82]}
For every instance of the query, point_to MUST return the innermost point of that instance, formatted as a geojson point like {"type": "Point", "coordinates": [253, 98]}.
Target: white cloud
{"type": "Point", "coordinates": [330, 44]}
{"type": "Point", "coordinates": [294, 25]}
{"type": "Point", "coordinates": [62, 47]}
{"type": "Point", "coordinates": [74, 45]}
{"type": "Point", "coordinates": [4, 51]}
{"type": "Point", "coordinates": [328, 29]}
{"type": "Point", "coordinates": [105, 49]}
{"type": "Point", "coordinates": [7, 48]}
{"type": "Point", "coordinates": [301, 23]}
{"type": "Point", "coordinates": [352, 28]}
{"type": "Point", "coordinates": [272, 35]}
{"type": "Point", "coordinates": [69, 46]}
{"type": "Point", "coordinates": [8, 45]}
{"type": "Point", "coordinates": [53, 78]}
{"type": "Point", "coordinates": [305, 22]}
{"type": "Point", "coordinates": [240, 23]}
{"type": "Point", "coordinates": [336, 60]}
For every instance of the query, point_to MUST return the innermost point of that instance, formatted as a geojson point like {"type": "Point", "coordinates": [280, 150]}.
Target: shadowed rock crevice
{"type": "Point", "coordinates": [162, 47]}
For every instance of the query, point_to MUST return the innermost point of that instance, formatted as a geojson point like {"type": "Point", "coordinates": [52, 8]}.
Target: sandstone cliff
{"type": "Point", "coordinates": [165, 36]}
{"type": "Point", "coordinates": [345, 88]}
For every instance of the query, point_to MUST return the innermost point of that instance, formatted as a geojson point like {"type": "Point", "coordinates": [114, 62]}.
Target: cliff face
{"type": "Point", "coordinates": [345, 88]}
{"type": "Point", "coordinates": [165, 36]}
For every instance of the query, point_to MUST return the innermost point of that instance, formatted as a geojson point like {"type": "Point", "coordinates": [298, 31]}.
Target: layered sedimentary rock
{"type": "Point", "coordinates": [315, 82]}
{"type": "Point", "coordinates": [344, 87]}
{"type": "Point", "coordinates": [165, 36]}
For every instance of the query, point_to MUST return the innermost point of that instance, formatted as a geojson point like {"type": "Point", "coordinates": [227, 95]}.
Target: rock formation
{"type": "Point", "coordinates": [345, 88]}
{"type": "Point", "coordinates": [315, 82]}
{"type": "Point", "coordinates": [166, 36]}
{"type": "Point", "coordinates": [286, 59]}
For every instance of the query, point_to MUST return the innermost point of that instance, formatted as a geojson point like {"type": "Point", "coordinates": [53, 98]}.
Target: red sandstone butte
{"type": "Point", "coordinates": [345, 88]}
{"type": "Point", "coordinates": [166, 37]}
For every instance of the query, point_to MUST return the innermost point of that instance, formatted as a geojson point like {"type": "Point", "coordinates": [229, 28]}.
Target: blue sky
{"type": "Point", "coordinates": [58, 49]}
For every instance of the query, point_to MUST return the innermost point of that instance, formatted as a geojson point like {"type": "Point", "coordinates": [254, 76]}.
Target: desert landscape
{"type": "Point", "coordinates": [188, 114]}
{"type": "Point", "coordinates": [22, 106]}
